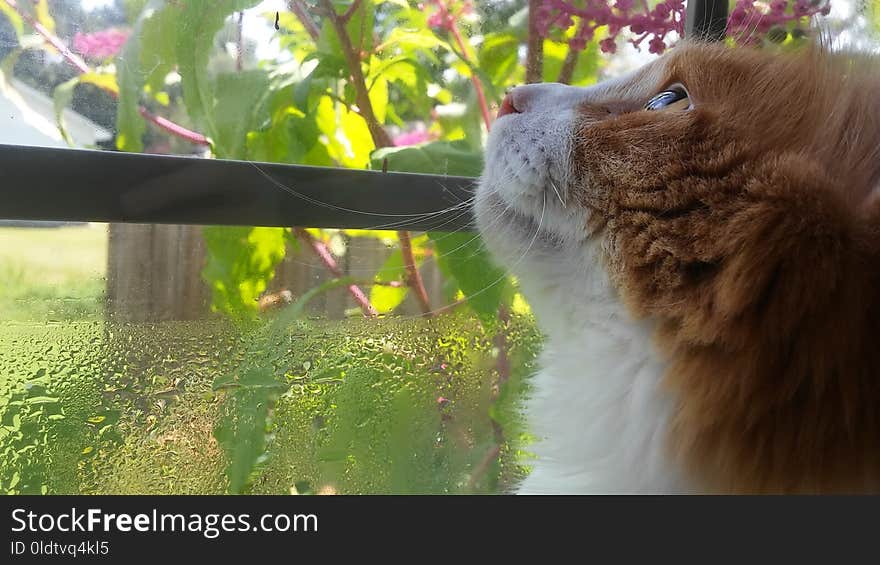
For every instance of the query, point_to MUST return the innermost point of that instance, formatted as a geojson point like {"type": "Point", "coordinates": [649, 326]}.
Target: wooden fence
{"type": "Point", "coordinates": [154, 273]}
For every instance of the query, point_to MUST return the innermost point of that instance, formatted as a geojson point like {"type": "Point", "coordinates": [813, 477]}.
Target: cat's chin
{"type": "Point", "coordinates": [527, 222]}
{"type": "Point", "coordinates": [513, 228]}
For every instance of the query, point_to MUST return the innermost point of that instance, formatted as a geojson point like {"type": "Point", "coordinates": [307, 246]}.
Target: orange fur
{"type": "Point", "coordinates": [748, 229]}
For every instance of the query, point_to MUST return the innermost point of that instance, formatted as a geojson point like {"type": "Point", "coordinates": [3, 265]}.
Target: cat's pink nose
{"type": "Point", "coordinates": [507, 107]}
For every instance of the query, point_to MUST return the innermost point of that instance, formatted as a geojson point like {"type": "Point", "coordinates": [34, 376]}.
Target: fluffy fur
{"type": "Point", "coordinates": [708, 278]}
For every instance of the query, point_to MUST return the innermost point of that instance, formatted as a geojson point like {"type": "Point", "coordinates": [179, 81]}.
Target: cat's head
{"type": "Point", "coordinates": [729, 198]}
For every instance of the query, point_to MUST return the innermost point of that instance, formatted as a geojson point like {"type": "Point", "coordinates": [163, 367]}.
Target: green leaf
{"type": "Point", "coordinates": [302, 92]}
{"type": "Point", "coordinates": [464, 257]}
{"type": "Point", "coordinates": [359, 140]}
{"type": "Point", "coordinates": [589, 62]}
{"type": "Point", "coordinates": [237, 110]}
{"type": "Point", "coordinates": [131, 73]}
{"type": "Point", "coordinates": [873, 13]}
{"type": "Point", "coordinates": [414, 40]}
{"type": "Point", "coordinates": [198, 21]}
{"type": "Point", "coordinates": [130, 125]}
{"type": "Point", "coordinates": [133, 9]}
{"type": "Point", "coordinates": [13, 17]}
{"type": "Point", "coordinates": [157, 36]}
{"type": "Point", "coordinates": [379, 98]}
{"type": "Point", "coordinates": [347, 136]}
{"type": "Point", "coordinates": [438, 157]}
{"type": "Point", "coordinates": [41, 13]}
{"type": "Point", "coordinates": [329, 51]}
{"type": "Point", "coordinates": [360, 27]}
{"type": "Point", "coordinates": [243, 429]}
{"type": "Point", "coordinates": [387, 298]}
{"type": "Point", "coordinates": [8, 63]}
{"type": "Point", "coordinates": [104, 81]}
{"type": "Point", "coordinates": [62, 96]}
{"type": "Point", "coordinates": [498, 56]}
{"type": "Point", "coordinates": [241, 262]}
{"type": "Point", "coordinates": [289, 139]}
{"type": "Point", "coordinates": [408, 76]}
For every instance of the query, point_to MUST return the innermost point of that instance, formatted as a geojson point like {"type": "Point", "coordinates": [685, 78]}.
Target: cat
{"type": "Point", "coordinates": [700, 244]}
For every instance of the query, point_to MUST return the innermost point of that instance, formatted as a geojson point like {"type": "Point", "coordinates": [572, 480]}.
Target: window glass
{"type": "Point", "coordinates": [152, 358]}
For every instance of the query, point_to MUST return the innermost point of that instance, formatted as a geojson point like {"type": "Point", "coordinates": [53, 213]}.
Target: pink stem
{"type": "Point", "coordinates": [299, 10]}
{"type": "Point", "coordinates": [379, 135]}
{"type": "Point", "coordinates": [478, 86]}
{"type": "Point", "coordinates": [330, 263]}
{"type": "Point", "coordinates": [174, 128]}
{"type": "Point", "coordinates": [413, 277]}
{"type": "Point", "coordinates": [351, 10]}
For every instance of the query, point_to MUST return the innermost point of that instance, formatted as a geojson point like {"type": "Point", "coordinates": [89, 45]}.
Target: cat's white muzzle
{"type": "Point", "coordinates": [527, 183]}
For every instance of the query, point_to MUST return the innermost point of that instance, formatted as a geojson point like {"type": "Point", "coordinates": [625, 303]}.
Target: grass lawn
{"type": "Point", "coordinates": [52, 273]}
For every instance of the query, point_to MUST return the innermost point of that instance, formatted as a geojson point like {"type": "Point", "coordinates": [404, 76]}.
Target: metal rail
{"type": "Point", "coordinates": [105, 186]}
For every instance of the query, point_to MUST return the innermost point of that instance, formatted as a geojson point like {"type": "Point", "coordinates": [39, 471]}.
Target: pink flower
{"type": "Point", "coordinates": [778, 6]}
{"type": "Point", "coordinates": [446, 12]}
{"type": "Point", "coordinates": [608, 45]}
{"type": "Point", "coordinates": [662, 11]}
{"type": "Point", "coordinates": [656, 46]}
{"type": "Point", "coordinates": [101, 44]}
{"type": "Point", "coordinates": [737, 16]}
{"type": "Point", "coordinates": [577, 44]}
{"type": "Point", "coordinates": [666, 18]}
{"type": "Point", "coordinates": [801, 8]}
{"type": "Point", "coordinates": [412, 138]}
{"type": "Point", "coordinates": [436, 20]}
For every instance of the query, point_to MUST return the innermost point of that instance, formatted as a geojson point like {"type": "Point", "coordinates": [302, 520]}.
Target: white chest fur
{"type": "Point", "coordinates": [597, 408]}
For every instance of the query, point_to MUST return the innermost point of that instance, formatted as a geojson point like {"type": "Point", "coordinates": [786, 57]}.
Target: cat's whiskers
{"type": "Point", "coordinates": [410, 218]}
{"type": "Point", "coordinates": [556, 190]}
{"type": "Point", "coordinates": [507, 272]}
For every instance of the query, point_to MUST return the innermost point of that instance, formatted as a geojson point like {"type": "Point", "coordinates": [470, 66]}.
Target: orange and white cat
{"type": "Point", "coordinates": [700, 243]}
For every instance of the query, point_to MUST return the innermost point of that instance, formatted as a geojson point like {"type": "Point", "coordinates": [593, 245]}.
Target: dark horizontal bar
{"type": "Point", "coordinates": [102, 186]}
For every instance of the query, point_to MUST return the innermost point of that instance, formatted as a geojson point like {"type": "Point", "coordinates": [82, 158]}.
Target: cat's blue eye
{"type": "Point", "coordinates": [674, 97]}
